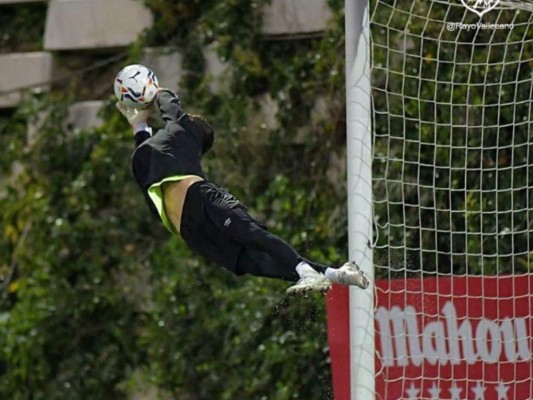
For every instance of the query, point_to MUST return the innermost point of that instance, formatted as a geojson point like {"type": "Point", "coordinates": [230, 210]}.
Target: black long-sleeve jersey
{"type": "Point", "coordinates": [173, 151]}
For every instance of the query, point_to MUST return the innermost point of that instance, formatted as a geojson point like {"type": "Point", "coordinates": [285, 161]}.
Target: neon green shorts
{"type": "Point", "coordinates": [156, 195]}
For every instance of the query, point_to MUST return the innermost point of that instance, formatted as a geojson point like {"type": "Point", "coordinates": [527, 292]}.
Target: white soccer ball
{"type": "Point", "coordinates": [136, 86]}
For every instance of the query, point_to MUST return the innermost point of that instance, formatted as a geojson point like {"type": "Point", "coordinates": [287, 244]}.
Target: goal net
{"type": "Point", "coordinates": [452, 173]}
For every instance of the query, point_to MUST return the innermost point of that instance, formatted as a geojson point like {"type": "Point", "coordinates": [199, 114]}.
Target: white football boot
{"type": "Point", "coordinates": [351, 274]}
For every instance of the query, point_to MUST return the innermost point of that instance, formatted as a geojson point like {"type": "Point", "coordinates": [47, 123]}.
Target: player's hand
{"type": "Point", "coordinates": [133, 115]}
{"type": "Point", "coordinates": [163, 90]}
{"type": "Point", "coordinates": [155, 119]}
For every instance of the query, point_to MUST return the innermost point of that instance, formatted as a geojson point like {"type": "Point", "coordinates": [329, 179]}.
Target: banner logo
{"type": "Point", "coordinates": [480, 7]}
{"type": "Point", "coordinates": [449, 339]}
{"type": "Point", "coordinates": [445, 338]}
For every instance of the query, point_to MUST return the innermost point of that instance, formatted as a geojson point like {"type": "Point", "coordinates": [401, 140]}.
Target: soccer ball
{"type": "Point", "coordinates": [136, 86]}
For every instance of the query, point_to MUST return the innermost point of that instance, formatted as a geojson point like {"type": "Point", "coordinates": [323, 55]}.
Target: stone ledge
{"type": "Point", "coordinates": [33, 71]}
{"type": "Point", "coordinates": [217, 71]}
{"type": "Point", "coordinates": [21, 1]}
{"type": "Point", "coordinates": [84, 115]}
{"type": "Point", "coordinates": [80, 116]}
{"type": "Point", "coordinates": [295, 17]}
{"type": "Point", "coordinates": [93, 24]}
{"type": "Point", "coordinates": [166, 64]}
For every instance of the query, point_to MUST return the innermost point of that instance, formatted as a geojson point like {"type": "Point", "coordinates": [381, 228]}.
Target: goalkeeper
{"type": "Point", "coordinates": [211, 221]}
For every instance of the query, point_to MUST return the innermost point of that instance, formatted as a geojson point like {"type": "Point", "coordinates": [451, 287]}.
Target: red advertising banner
{"type": "Point", "coordinates": [443, 338]}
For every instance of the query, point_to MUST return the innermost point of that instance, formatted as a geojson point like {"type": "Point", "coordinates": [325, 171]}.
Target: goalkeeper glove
{"type": "Point", "coordinates": [155, 119]}
{"type": "Point", "coordinates": [133, 115]}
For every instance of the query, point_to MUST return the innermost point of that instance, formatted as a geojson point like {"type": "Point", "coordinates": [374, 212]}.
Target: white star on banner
{"type": "Point", "coordinates": [502, 391]}
{"type": "Point", "coordinates": [434, 392]}
{"type": "Point", "coordinates": [479, 390]}
{"type": "Point", "coordinates": [455, 392]}
{"type": "Point", "coordinates": [412, 392]}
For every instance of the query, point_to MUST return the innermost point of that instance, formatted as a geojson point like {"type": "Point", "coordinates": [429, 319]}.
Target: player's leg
{"type": "Point", "coordinates": [263, 264]}
{"type": "Point", "coordinates": [266, 254]}
{"type": "Point", "coordinates": [211, 240]}
{"type": "Point", "coordinates": [262, 256]}
{"type": "Point", "coordinates": [231, 217]}
{"type": "Point", "coordinates": [259, 263]}
{"type": "Point", "coordinates": [253, 236]}
{"type": "Point", "coordinates": [311, 274]}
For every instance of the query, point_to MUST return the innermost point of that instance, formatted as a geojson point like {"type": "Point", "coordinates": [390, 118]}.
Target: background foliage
{"type": "Point", "coordinates": [97, 301]}
{"type": "Point", "coordinates": [453, 185]}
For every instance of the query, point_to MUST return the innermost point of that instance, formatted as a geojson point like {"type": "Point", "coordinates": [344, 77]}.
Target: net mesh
{"type": "Point", "coordinates": [452, 173]}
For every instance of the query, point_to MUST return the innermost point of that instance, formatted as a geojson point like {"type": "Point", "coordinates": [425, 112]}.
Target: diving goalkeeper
{"type": "Point", "coordinates": [211, 221]}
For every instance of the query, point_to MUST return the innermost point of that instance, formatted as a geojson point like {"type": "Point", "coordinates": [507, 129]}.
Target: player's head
{"type": "Point", "coordinates": [136, 86]}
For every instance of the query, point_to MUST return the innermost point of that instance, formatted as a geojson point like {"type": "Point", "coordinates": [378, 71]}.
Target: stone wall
{"type": "Point", "coordinates": [107, 26]}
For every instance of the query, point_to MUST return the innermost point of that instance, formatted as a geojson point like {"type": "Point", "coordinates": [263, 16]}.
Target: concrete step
{"type": "Point", "coordinates": [84, 115]}
{"type": "Point", "coordinates": [166, 64]}
{"type": "Point", "coordinates": [81, 115]}
{"type": "Point", "coordinates": [295, 17]}
{"type": "Point", "coordinates": [31, 71]}
{"type": "Point", "coordinates": [21, 1]}
{"type": "Point", "coordinates": [94, 24]}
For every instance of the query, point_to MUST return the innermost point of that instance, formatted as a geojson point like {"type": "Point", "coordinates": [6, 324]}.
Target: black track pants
{"type": "Point", "coordinates": [217, 226]}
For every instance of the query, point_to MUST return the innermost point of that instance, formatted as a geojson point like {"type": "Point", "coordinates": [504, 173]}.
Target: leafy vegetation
{"type": "Point", "coordinates": [22, 27]}
{"type": "Point", "coordinates": [98, 302]}
{"type": "Point", "coordinates": [462, 99]}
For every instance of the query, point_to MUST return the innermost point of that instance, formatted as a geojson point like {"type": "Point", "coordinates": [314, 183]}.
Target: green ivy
{"type": "Point", "coordinates": [102, 303]}
{"type": "Point", "coordinates": [22, 27]}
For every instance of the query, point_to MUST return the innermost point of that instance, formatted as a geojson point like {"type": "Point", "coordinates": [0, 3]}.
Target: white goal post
{"type": "Point", "coordinates": [359, 181]}
{"type": "Point", "coordinates": [440, 198]}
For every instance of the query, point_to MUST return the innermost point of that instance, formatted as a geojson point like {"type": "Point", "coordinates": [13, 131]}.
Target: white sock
{"type": "Point", "coordinates": [332, 274]}
{"type": "Point", "coordinates": [304, 269]}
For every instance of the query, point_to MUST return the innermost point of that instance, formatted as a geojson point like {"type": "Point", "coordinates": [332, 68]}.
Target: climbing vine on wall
{"type": "Point", "coordinates": [102, 303]}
